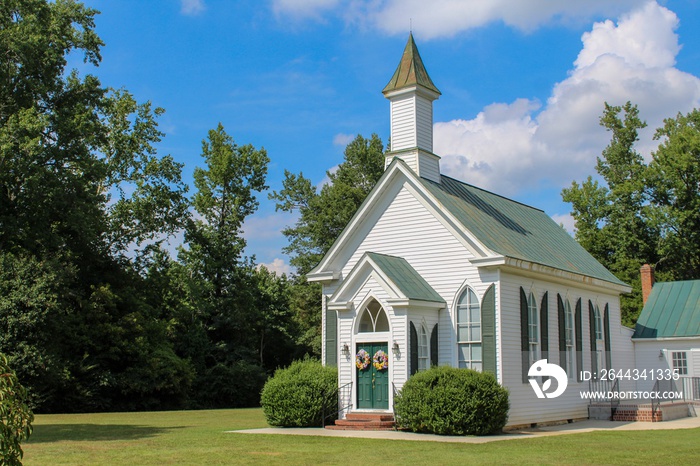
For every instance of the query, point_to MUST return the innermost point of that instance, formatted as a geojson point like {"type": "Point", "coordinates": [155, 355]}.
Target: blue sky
{"type": "Point", "coordinates": [523, 82]}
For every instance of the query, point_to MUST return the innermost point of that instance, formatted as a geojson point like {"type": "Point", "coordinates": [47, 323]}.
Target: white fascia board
{"type": "Point", "coordinates": [679, 339]}
{"type": "Point", "coordinates": [340, 306]}
{"type": "Point", "coordinates": [414, 89]}
{"type": "Point", "coordinates": [415, 303]}
{"type": "Point", "coordinates": [523, 267]}
{"type": "Point", "coordinates": [323, 277]}
{"type": "Point", "coordinates": [490, 261]}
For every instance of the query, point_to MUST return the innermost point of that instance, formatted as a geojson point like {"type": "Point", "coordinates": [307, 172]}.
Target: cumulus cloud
{"type": "Point", "coordinates": [278, 266]}
{"type": "Point", "coordinates": [511, 147]}
{"type": "Point", "coordinates": [444, 18]}
{"type": "Point", "coordinates": [192, 7]}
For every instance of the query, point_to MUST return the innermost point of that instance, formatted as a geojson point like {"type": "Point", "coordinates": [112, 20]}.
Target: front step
{"type": "Point", "coordinates": [365, 421]}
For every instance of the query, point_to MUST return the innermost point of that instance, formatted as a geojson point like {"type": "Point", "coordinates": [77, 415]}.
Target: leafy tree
{"type": "Point", "coordinates": [643, 213]}
{"type": "Point", "coordinates": [220, 285]}
{"type": "Point", "coordinates": [612, 219]}
{"type": "Point", "coordinates": [674, 183]}
{"type": "Point", "coordinates": [82, 192]}
{"type": "Point", "coordinates": [15, 416]}
{"type": "Point", "coordinates": [322, 217]}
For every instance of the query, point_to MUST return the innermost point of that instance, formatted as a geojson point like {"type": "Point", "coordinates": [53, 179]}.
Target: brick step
{"type": "Point", "coordinates": [370, 417]}
{"type": "Point", "coordinates": [364, 421]}
{"type": "Point", "coordinates": [637, 415]}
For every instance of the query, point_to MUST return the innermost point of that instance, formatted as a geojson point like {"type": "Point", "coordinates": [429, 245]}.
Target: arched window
{"type": "Point", "coordinates": [373, 318]}
{"type": "Point", "coordinates": [570, 339]}
{"type": "Point", "coordinates": [423, 360]}
{"type": "Point", "coordinates": [469, 330]}
{"type": "Point", "coordinates": [599, 341]}
{"type": "Point", "coordinates": [533, 328]}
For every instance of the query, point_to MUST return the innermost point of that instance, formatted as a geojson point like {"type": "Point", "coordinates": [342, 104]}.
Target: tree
{"type": "Point", "coordinates": [15, 416]}
{"type": "Point", "coordinates": [674, 183]}
{"type": "Point", "coordinates": [612, 220]}
{"type": "Point", "coordinates": [643, 213]}
{"type": "Point", "coordinates": [84, 197]}
{"type": "Point", "coordinates": [322, 217]}
{"type": "Point", "coordinates": [221, 290]}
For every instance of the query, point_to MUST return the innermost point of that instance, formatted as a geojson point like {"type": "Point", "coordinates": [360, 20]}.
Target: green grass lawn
{"type": "Point", "coordinates": [199, 437]}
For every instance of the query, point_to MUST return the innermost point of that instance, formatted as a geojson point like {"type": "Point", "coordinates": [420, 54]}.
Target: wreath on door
{"type": "Point", "coordinates": [362, 360]}
{"type": "Point", "coordinates": [380, 360]}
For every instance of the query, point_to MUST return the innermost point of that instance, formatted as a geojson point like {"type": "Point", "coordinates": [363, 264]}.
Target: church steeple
{"type": "Point", "coordinates": [411, 71]}
{"type": "Point", "coordinates": [411, 93]}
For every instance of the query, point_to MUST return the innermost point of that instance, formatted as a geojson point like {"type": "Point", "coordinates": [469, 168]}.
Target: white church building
{"type": "Point", "coordinates": [432, 270]}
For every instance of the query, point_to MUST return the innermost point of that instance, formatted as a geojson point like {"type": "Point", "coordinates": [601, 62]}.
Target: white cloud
{"type": "Point", "coordinates": [192, 7]}
{"type": "Point", "coordinates": [445, 18]}
{"type": "Point", "coordinates": [303, 9]}
{"type": "Point", "coordinates": [567, 221]}
{"type": "Point", "coordinates": [278, 266]}
{"type": "Point", "coordinates": [343, 140]}
{"type": "Point", "coordinates": [511, 147]}
{"type": "Point", "coordinates": [263, 228]}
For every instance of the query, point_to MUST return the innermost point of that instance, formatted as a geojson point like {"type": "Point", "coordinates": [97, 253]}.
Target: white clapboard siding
{"type": "Point", "coordinates": [403, 122]}
{"type": "Point", "coordinates": [526, 408]}
{"type": "Point", "coordinates": [424, 123]}
{"type": "Point", "coordinates": [652, 355]}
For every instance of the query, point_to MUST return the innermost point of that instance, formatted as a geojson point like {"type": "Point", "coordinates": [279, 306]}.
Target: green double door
{"type": "Point", "coordinates": [372, 384]}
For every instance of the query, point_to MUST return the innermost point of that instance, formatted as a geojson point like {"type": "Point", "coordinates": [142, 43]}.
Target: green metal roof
{"type": "Point", "coordinates": [515, 230]}
{"type": "Point", "coordinates": [410, 71]}
{"type": "Point", "coordinates": [405, 277]}
{"type": "Point", "coordinates": [672, 310]}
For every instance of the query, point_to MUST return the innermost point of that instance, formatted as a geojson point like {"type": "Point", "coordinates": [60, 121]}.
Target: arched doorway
{"type": "Point", "coordinates": [372, 357]}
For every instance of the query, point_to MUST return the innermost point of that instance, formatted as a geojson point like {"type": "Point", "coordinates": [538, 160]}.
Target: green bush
{"type": "Point", "coordinates": [448, 401]}
{"type": "Point", "coordinates": [15, 416]}
{"type": "Point", "coordinates": [294, 396]}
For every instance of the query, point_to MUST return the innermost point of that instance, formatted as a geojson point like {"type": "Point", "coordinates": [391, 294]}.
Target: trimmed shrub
{"type": "Point", "coordinates": [294, 396]}
{"type": "Point", "coordinates": [448, 401]}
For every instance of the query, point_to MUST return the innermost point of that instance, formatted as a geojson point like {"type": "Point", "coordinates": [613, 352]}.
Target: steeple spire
{"type": "Point", "coordinates": [411, 71]}
{"type": "Point", "coordinates": [411, 93]}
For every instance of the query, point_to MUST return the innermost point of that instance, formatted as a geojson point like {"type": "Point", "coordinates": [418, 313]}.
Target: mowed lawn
{"type": "Point", "coordinates": [200, 437]}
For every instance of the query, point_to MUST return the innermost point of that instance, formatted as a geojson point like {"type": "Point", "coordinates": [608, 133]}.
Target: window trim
{"type": "Point", "coordinates": [679, 361]}
{"type": "Point", "coordinates": [423, 349]}
{"type": "Point", "coordinates": [533, 328]}
{"type": "Point", "coordinates": [472, 306]}
{"type": "Point", "coordinates": [570, 339]}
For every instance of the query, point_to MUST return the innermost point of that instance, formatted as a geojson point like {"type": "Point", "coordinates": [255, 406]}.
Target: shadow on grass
{"type": "Point", "coordinates": [46, 433]}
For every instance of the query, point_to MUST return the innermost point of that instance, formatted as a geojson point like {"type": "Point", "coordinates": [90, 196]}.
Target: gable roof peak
{"type": "Point", "coordinates": [411, 71]}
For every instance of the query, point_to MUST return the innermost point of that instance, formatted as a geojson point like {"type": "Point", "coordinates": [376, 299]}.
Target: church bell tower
{"type": "Point", "coordinates": [411, 93]}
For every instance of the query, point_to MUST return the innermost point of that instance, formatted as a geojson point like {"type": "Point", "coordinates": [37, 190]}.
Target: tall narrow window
{"type": "Point", "coordinates": [423, 361]}
{"type": "Point", "coordinates": [680, 362]}
{"type": "Point", "coordinates": [533, 329]}
{"type": "Point", "coordinates": [570, 339]}
{"type": "Point", "coordinates": [469, 331]}
{"type": "Point", "coordinates": [599, 342]}
{"type": "Point", "coordinates": [374, 318]}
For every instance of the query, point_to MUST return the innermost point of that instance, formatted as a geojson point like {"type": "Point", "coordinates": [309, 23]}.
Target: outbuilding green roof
{"type": "Point", "coordinates": [515, 230]}
{"type": "Point", "coordinates": [405, 277]}
{"type": "Point", "coordinates": [672, 310]}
